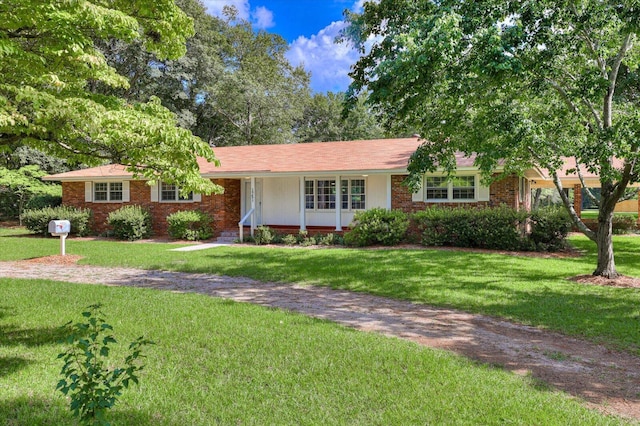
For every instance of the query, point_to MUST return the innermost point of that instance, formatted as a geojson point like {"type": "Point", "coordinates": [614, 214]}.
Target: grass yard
{"type": "Point", "coordinates": [529, 290]}
{"type": "Point", "coordinates": [220, 362]}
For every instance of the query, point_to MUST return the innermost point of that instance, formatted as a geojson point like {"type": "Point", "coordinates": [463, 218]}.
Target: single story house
{"type": "Point", "coordinates": [314, 186]}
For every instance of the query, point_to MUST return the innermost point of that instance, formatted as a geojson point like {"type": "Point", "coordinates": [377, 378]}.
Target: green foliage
{"type": "Point", "coordinates": [377, 226]}
{"type": "Point", "coordinates": [91, 381]}
{"type": "Point", "coordinates": [514, 85]}
{"type": "Point", "coordinates": [264, 235]}
{"type": "Point", "coordinates": [549, 228]}
{"type": "Point", "coordinates": [51, 71]}
{"type": "Point", "coordinates": [38, 220]}
{"type": "Point", "coordinates": [290, 240]}
{"type": "Point", "coordinates": [130, 223]}
{"type": "Point", "coordinates": [620, 224]}
{"type": "Point", "coordinates": [22, 189]}
{"type": "Point", "coordinates": [323, 121]}
{"type": "Point", "coordinates": [492, 228]}
{"type": "Point", "coordinates": [192, 225]}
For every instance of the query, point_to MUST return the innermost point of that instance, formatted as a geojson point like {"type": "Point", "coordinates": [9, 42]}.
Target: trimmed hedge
{"type": "Point", "coordinates": [549, 228]}
{"type": "Point", "coordinates": [491, 228]}
{"type": "Point", "coordinates": [38, 220]}
{"type": "Point", "coordinates": [130, 223]}
{"type": "Point", "coordinates": [377, 226]}
{"type": "Point", "coordinates": [190, 225]}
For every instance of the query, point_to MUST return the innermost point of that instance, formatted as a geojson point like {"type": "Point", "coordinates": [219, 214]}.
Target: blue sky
{"type": "Point", "coordinates": [310, 27]}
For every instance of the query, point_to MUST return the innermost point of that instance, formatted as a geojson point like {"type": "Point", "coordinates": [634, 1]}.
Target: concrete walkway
{"type": "Point", "coordinates": [610, 381]}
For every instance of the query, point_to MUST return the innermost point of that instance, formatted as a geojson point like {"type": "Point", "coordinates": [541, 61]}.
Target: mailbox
{"type": "Point", "coordinates": [59, 227]}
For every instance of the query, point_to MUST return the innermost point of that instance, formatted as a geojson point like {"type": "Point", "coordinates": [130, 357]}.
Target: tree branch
{"type": "Point", "coordinates": [589, 193]}
{"type": "Point", "coordinates": [613, 76]}
{"type": "Point", "coordinates": [572, 212]}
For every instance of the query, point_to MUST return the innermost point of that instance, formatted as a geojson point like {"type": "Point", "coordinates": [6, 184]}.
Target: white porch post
{"type": "Point", "coordinates": [253, 204]}
{"type": "Point", "coordinates": [303, 206]}
{"type": "Point", "coordinates": [389, 195]}
{"type": "Point", "coordinates": [338, 204]}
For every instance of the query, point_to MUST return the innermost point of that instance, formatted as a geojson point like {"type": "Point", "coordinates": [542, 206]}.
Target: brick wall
{"type": "Point", "coordinates": [505, 191]}
{"type": "Point", "coordinates": [225, 208]}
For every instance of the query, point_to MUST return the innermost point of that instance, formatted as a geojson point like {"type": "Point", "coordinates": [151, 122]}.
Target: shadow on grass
{"type": "Point", "coordinates": [10, 365]}
{"type": "Point", "coordinates": [29, 411]}
{"type": "Point", "coordinates": [14, 336]}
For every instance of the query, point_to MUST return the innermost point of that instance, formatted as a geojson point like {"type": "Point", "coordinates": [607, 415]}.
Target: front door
{"type": "Point", "coordinates": [247, 201]}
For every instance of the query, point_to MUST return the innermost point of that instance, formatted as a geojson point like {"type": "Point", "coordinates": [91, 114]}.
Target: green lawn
{"type": "Point", "coordinates": [528, 290]}
{"type": "Point", "coordinates": [221, 362]}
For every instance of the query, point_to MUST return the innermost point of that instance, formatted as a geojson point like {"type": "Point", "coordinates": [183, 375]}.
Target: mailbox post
{"type": "Point", "coordinates": [60, 228]}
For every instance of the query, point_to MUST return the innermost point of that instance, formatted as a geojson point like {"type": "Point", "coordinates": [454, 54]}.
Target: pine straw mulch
{"type": "Point", "coordinates": [621, 281]}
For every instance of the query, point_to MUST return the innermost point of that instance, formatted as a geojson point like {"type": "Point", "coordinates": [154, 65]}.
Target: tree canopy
{"type": "Point", "coordinates": [521, 84]}
{"type": "Point", "coordinates": [51, 66]}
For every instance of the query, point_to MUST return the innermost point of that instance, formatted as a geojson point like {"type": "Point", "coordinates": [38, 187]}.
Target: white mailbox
{"type": "Point", "coordinates": [59, 227]}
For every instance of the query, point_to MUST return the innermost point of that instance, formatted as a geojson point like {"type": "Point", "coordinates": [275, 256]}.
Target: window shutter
{"type": "Point", "coordinates": [88, 192]}
{"type": "Point", "coordinates": [125, 192]}
{"type": "Point", "coordinates": [154, 193]}
{"type": "Point", "coordinates": [419, 196]}
{"type": "Point", "coordinates": [484, 193]}
{"type": "Point", "coordinates": [197, 198]}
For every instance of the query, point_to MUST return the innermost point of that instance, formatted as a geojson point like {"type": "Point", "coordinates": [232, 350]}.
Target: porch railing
{"type": "Point", "coordinates": [241, 224]}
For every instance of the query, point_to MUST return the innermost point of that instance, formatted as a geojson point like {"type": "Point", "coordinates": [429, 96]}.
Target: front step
{"type": "Point", "coordinates": [227, 237]}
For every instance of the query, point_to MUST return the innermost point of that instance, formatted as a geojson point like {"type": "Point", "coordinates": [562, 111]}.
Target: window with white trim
{"type": "Point", "coordinates": [171, 192]}
{"type": "Point", "coordinates": [107, 191]}
{"type": "Point", "coordinates": [326, 194]}
{"type": "Point", "coordinates": [457, 188]}
{"type": "Point", "coordinates": [321, 194]}
{"type": "Point", "coordinates": [353, 194]}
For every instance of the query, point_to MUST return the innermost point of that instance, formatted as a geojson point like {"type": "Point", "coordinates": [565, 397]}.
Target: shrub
{"type": "Point", "coordinates": [492, 228]}
{"type": "Point", "coordinates": [290, 240]}
{"type": "Point", "coordinates": [40, 201]}
{"type": "Point", "coordinates": [190, 225]}
{"type": "Point", "coordinates": [130, 223]}
{"type": "Point", "coordinates": [624, 224]}
{"type": "Point", "coordinates": [377, 226]}
{"type": "Point", "coordinates": [38, 220]}
{"type": "Point", "coordinates": [89, 379]}
{"type": "Point", "coordinates": [549, 228]}
{"type": "Point", "coordinates": [264, 235]}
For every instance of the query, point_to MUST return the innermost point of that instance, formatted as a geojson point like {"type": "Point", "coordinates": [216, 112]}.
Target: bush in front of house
{"type": "Point", "coordinates": [130, 223]}
{"type": "Point", "coordinates": [192, 225]}
{"type": "Point", "coordinates": [377, 226]}
{"type": "Point", "coordinates": [491, 228]}
{"type": "Point", "coordinates": [549, 228]}
{"type": "Point", "coordinates": [37, 220]}
{"type": "Point", "coordinates": [264, 235]}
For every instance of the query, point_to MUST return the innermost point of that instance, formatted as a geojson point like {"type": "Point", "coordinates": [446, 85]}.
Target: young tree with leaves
{"type": "Point", "coordinates": [521, 84]}
{"type": "Point", "coordinates": [50, 65]}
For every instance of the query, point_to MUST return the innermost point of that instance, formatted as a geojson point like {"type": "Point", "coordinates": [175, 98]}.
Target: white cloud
{"type": "Point", "coordinates": [214, 7]}
{"type": "Point", "coordinates": [262, 18]}
{"type": "Point", "coordinates": [328, 61]}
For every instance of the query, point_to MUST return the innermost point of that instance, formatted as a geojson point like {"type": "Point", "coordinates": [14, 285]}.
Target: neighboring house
{"type": "Point", "coordinates": [315, 186]}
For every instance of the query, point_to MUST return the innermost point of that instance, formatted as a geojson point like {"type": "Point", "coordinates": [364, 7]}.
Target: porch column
{"type": "Point", "coordinates": [303, 206]}
{"type": "Point", "coordinates": [253, 204]}
{"type": "Point", "coordinates": [338, 204]}
{"type": "Point", "coordinates": [577, 199]}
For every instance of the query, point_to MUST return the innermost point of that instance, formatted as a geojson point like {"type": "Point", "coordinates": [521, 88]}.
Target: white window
{"type": "Point", "coordinates": [107, 191]}
{"type": "Point", "coordinates": [353, 194]}
{"type": "Point", "coordinates": [171, 192]}
{"type": "Point", "coordinates": [457, 188]}
{"type": "Point", "coordinates": [321, 194]}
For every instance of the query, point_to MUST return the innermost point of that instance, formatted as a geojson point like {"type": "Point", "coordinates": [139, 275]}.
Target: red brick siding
{"type": "Point", "coordinates": [225, 208]}
{"type": "Point", "coordinates": [505, 191]}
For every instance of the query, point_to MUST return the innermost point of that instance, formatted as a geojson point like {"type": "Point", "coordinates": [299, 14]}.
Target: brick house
{"type": "Point", "coordinates": [295, 186]}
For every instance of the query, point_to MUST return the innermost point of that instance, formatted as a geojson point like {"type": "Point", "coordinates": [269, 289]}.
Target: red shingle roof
{"type": "Point", "coordinates": [320, 157]}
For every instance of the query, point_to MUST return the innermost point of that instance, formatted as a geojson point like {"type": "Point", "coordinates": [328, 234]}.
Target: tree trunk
{"type": "Point", "coordinates": [606, 263]}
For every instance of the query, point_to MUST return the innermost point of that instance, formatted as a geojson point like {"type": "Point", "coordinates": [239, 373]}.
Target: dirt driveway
{"type": "Point", "coordinates": [607, 380]}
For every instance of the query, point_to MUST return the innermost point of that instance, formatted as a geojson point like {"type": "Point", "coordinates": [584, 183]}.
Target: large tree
{"type": "Point", "coordinates": [323, 120]}
{"type": "Point", "coordinates": [522, 84]}
{"type": "Point", "coordinates": [51, 66]}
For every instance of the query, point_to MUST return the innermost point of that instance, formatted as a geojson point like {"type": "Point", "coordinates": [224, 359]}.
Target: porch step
{"type": "Point", "coordinates": [227, 237]}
